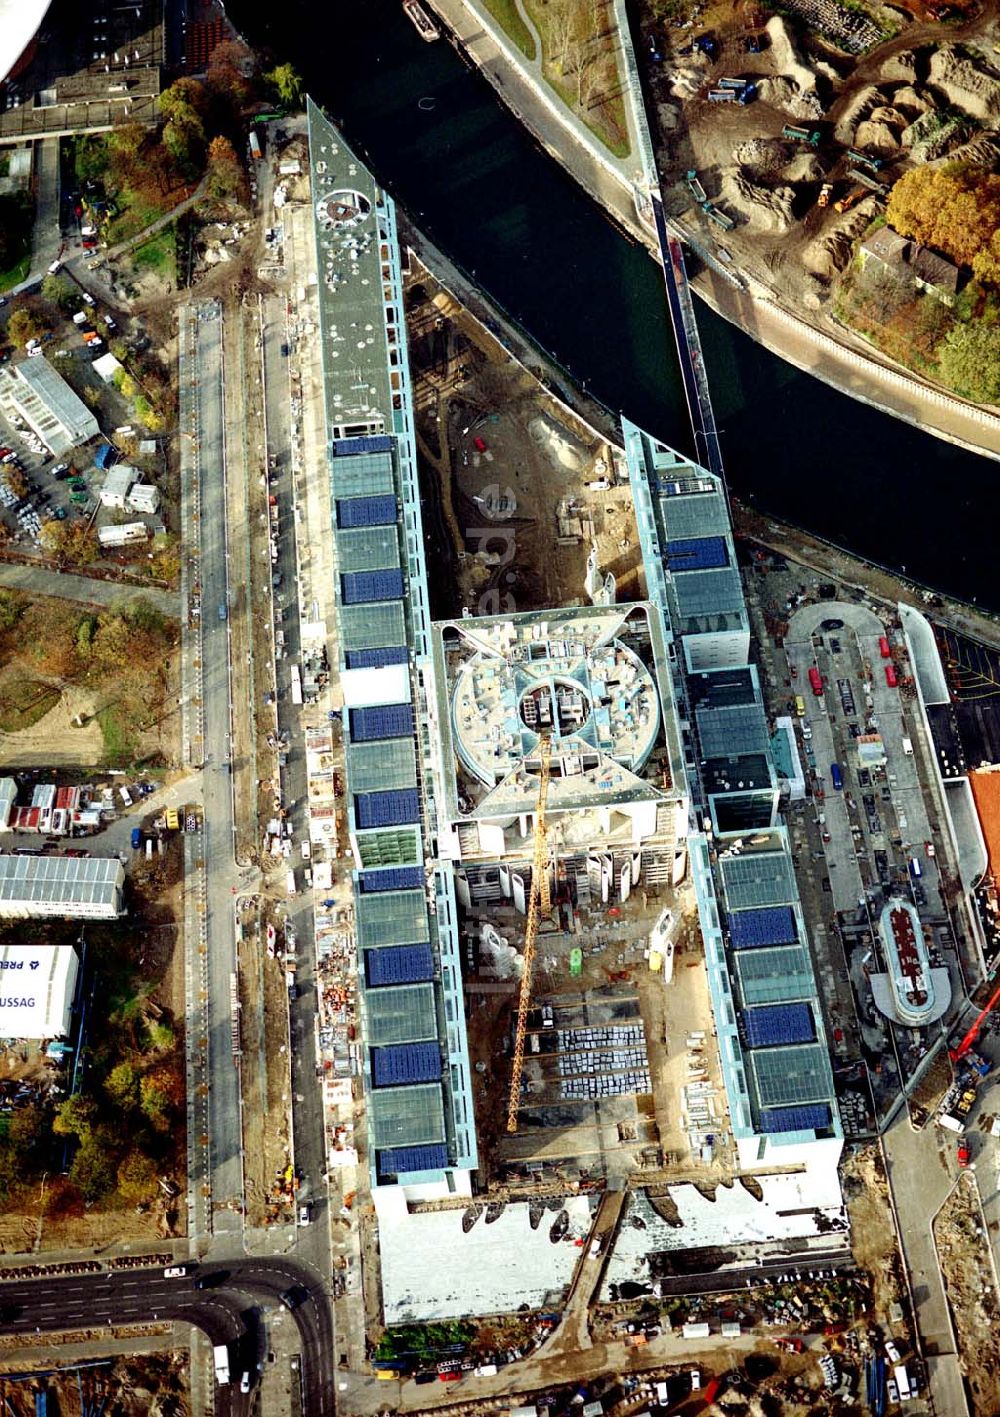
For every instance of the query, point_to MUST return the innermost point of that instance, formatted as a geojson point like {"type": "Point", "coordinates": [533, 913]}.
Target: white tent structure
{"type": "Point", "coordinates": [37, 987]}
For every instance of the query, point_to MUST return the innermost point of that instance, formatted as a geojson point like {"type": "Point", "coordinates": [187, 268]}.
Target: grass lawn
{"type": "Point", "coordinates": [17, 217]}
{"type": "Point", "coordinates": [23, 702]}
{"type": "Point", "coordinates": [121, 738]}
{"type": "Point", "coordinates": [135, 213]}
{"type": "Point", "coordinates": [505, 12]}
{"type": "Point", "coordinates": [581, 33]}
{"type": "Point", "coordinates": [8, 279]}
{"type": "Point", "coordinates": [157, 254]}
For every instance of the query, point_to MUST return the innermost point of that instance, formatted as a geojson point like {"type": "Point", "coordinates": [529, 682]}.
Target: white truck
{"type": "Point", "coordinates": [220, 1355]}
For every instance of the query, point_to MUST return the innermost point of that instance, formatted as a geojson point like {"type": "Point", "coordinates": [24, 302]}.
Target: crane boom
{"type": "Point", "coordinates": [538, 900]}
{"type": "Point", "coordinates": [957, 1054]}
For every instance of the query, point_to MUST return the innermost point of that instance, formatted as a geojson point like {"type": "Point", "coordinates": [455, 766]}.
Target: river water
{"type": "Point", "coordinates": [500, 207]}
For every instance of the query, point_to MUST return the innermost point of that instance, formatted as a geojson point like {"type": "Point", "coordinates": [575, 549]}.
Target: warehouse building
{"type": "Point", "coordinates": [33, 391]}
{"type": "Point", "coordinates": [37, 989]}
{"type": "Point", "coordinates": [69, 887]}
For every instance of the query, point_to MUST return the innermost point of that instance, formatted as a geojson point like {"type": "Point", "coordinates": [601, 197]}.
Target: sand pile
{"type": "Point", "coordinates": [783, 94]}
{"type": "Point", "coordinates": [760, 158]}
{"type": "Point", "coordinates": [983, 151]}
{"type": "Point", "coordinates": [831, 253]}
{"type": "Point", "coordinates": [877, 138]}
{"type": "Point", "coordinates": [764, 209]}
{"type": "Point", "coordinates": [855, 111]}
{"type": "Point", "coordinates": [786, 58]}
{"type": "Point", "coordinates": [911, 101]}
{"type": "Point", "coordinates": [804, 167]}
{"type": "Point", "coordinates": [965, 83]}
{"type": "Point", "coordinates": [932, 135]}
{"type": "Point", "coordinates": [557, 443]}
{"type": "Point", "coordinates": [901, 66]}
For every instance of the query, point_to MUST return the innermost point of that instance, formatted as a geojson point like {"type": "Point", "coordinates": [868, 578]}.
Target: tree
{"type": "Point", "coordinates": [60, 293]}
{"type": "Point", "coordinates": [287, 84]}
{"type": "Point", "coordinates": [15, 228]}
{"type": "Point", "coordinates": [125, 145]}
{"type": "Point", "coordinates": [970, 361]}
{"type": "Point", "coordinates": [184, 141]}
{"type": "Point", "coordinates": [68, 541]}
{"type": "Point", "coordinates": [882, 292]}
{"type": "Point", "coordinates": [225, 171]}
{"type": "Point", "coordinates": [90, 158]}
{"type": "Point", "coordinates": [184, 100]}
{"type": "Point", "coordinates": [75, 1117]}
{"type": "Point", "coordinates": [26, 1131]}
{"type": "Point", "coordinates": [231, 71]}
{"type": "Point", "coordinates": [955, 208]}
{"type": "Point", "coordinates": [11, 609]}
{"type": "Point", "coordinates": [161, 1037]}
{"type": "Point", "coordinates": [122, 1085]}
{"type": "Point", "coordinates": [162, 1093]}
{"type": "Point", "coordinates": [23, 325]}
{"type": "Point", "coordinates": [93, 1168]}
{"type": "Point", "coordinates": [137, 1178]}
{"type": "Point", "coordinates": [16, 481]}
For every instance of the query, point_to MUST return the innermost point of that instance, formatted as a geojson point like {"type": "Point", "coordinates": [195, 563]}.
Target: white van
{"type": "Point", "coordinates": [125, 795]}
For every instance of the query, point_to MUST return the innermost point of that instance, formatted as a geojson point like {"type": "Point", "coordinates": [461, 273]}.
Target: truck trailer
{"type": "Point", "coordinates": [220, 1356]}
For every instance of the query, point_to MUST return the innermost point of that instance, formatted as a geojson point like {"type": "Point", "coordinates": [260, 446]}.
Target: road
{"type": "Point", "coordinates": [313, 1242]}
{"type": "Point", "coordinates": [920, 1179]}
{"type": "Point", "coordinates": [202, 377]}
{"type": "Point", "coordinates": [230, 1312]}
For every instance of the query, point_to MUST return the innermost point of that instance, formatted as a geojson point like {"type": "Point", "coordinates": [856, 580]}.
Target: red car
{"type": "Point", "coordinates": [479, 445]}
{"type": "Point", "coordinates": [963, 1156]}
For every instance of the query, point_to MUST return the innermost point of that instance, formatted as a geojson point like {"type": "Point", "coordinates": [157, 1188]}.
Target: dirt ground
{"type": "Point", "coordinates": [515, 517]}
{"type": "Point", "coordinates": [149, 1383]}
{"type": "Point", "coordinates": [624, 1135]}
{"type": "Point", "coordinates": [959, 1232]}
{"type": "Point", "coordinates": [95, 1231]}
{"type": "Point", "coordinates": [873, 1241]}
{"type": "Point", "coordinates": [266, 1083]}
{"type": "Point", "coordinates": [54, 740]}
{"type": "Point", "coordinates": [770, 185]}
{"type": "Point", "coordinates": [673, 1012]}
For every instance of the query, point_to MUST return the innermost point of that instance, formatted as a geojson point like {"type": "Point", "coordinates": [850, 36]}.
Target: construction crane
{"type": "Point", "coordinates": [957, 1054]}
{"type": "Point", "coordinates": [539, 903]}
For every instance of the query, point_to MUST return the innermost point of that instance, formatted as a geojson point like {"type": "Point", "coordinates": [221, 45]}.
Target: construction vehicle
{"type": "Point", "coordinates": [823, 200]}
{"type": "Point", "coordinates": [872, 183]}
{"type": "Point", "coordinates": [720, 218]}
{"type": "Point", "coordinates": [874, 164]}
{"type": "Point", "coordinates": [697, 190]}
{"type": "Point", "coordinates": [801, 135]}
{"type": "Point", "coordinates": [851, 199]}
{"type": "Point", "coordinates": [539, 904]}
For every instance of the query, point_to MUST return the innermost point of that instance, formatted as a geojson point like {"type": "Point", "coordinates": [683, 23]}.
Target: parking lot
{"type": "Point", "coordinates": [867, 828]}
{"type": "Point", "coordinates": [35, 486]}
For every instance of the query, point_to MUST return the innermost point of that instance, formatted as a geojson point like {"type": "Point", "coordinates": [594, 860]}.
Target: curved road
{"type": "Point", "coordinates": [230, 1311]}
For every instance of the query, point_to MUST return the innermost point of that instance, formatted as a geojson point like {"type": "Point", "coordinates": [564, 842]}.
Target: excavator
{"type": "Point", "coordinates": [539, 904]}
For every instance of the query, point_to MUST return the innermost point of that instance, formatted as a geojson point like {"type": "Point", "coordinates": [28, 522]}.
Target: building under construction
{"type": "Point", "coordinates": [525, 794]}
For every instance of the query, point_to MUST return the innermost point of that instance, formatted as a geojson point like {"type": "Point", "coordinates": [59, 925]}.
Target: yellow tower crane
{"type": "Point", "coordinates": [539, 904]}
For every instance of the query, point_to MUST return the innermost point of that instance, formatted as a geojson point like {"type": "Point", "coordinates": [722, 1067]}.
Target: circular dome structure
{"type": "Point", "coordinates": [344, 209]}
